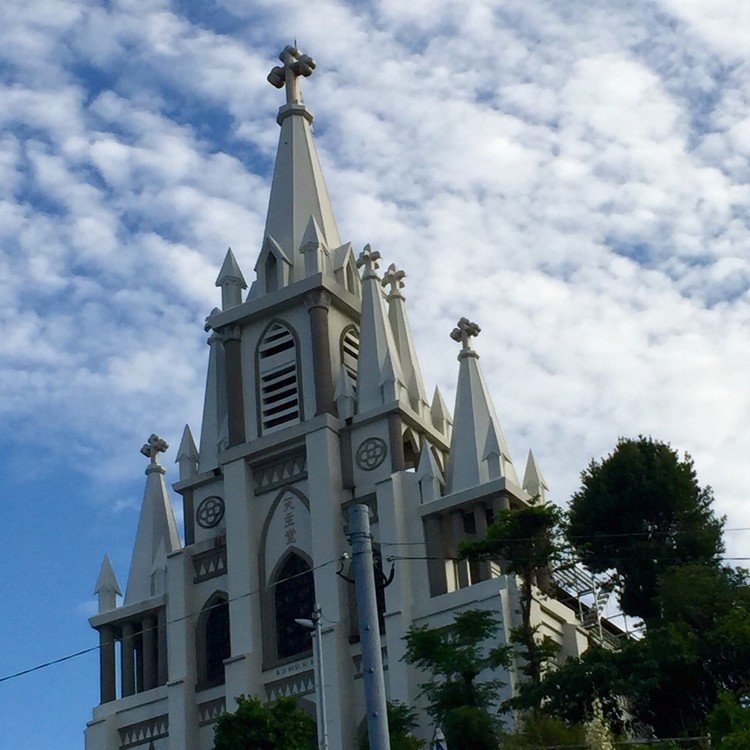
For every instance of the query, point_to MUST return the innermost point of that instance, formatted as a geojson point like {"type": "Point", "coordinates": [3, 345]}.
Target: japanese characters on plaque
{"type": "Point", "coordinates": [290, 530]}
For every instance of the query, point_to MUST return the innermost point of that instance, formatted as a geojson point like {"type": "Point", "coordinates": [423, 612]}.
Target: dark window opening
{"type": "Point", "coordinates": [272, 273]}
{"type": "Point", "coordinates": [294, 598]}
{"type": "Point", "coordinates": [217, 642]}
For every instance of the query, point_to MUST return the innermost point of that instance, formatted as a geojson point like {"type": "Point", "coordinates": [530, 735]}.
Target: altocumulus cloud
{"type": "Point", "coordinates": [572, 175]}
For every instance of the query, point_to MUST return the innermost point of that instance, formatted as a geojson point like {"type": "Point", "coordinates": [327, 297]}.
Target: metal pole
{"type": "Point", "coordinates": [320, 703]}
{"type": "Point", "coordinates": [322, 718]}
{"type": "Point", "coordinates": [369, 632]}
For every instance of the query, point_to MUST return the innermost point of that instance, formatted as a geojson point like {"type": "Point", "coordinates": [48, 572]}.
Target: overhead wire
{"type": "Point", "coordinates": [82, 652]}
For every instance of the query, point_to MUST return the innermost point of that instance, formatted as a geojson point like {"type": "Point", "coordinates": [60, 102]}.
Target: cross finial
{"type": "Point", "coordinates": [369, 259]}
{"type": "Point", "coordinates": [153, 447]}
{"type": "Point", "coordinates": [463, 333]}
{"type": "Point", "coordinates": [395, 278]}
{"type": "Point", "coordinates": [295, 64]}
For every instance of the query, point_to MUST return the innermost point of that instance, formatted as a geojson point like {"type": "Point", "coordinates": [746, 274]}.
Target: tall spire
{"type": "Point", "coordinates": [394, 278]}
{"type": "Point", "coordinates": [298, 191]}
{"type": "Point", "coordinates": [157, 530]}
{"type": "Point", "coordinates": [479, 452]}
{"type": "Point", "coordinates": [379, 376]}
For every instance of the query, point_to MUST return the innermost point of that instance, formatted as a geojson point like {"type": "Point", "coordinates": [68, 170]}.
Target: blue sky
{"type": "Point", "coordinates": [573, 176]}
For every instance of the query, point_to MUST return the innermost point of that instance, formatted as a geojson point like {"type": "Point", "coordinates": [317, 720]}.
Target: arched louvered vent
{"type": "Point", "coordinates": [278, 378]}
{"type": "Point", "coordinates": [350, 352]}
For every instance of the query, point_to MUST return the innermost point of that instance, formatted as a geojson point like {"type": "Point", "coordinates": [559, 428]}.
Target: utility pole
{"type": "Point", "coordinates": [369, 631]}
{"type": "Point", "coordinates": [320, 707]}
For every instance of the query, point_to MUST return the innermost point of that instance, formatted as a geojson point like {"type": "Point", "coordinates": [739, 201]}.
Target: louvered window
{"type": "Point", "coordinates": [279, 379]}
{"type": "Point", "coordinates": [350, 352]}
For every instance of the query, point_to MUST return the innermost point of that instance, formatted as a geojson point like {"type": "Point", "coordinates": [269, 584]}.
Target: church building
{"type": "Point", "coordinates": [314, 401]}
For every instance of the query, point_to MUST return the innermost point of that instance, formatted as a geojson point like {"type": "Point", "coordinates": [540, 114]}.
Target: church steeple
{"type": "Point", "coordinates": [157, 530]}
{"type": "Point", "coordinates": [299, 206]}
{"type": "Point", "coordinates": [479, 452]}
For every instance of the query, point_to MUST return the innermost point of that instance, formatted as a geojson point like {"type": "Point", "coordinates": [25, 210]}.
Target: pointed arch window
{"type": "Point", "coordinates": [272, 273]}
{"type": "Point", "coordinates": [213, 641]}
{"type": "Point", "coordinates": [278, 379]}
{"type": "Point", "coordinates": [294, 598]}
{"type": "Point", "coordinates": [350, 352]}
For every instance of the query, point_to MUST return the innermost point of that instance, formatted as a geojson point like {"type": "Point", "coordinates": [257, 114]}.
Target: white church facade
{"type": "Point", "coordinates": [314, 401]}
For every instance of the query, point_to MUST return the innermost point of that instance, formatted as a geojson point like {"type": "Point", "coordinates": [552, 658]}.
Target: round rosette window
{"type": "Point", "coordinates": [210, 512]}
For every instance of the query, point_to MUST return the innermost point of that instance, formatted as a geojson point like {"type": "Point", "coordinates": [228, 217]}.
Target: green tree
{"type": "Point", "coordinates": [671, 678]}
{"type": "Point", "coordinates": [402, 721]}
{"type": "Point", "coordinates": [729, 723]}
{"type": "Point", "coordinates": [454, 657]}
{"type": "Point", "coordinates": [524, 540]}
{"type": "Point", "coordinates": [282, 725]}
{"type": "Point", "coordinates": [536, 730]}
{"type": "Point", "coordinates": [640, 511]}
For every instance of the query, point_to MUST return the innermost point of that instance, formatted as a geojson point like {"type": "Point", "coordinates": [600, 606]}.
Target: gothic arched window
{"type": "Point", "coordinates": [279, 401]}
{"type": "Point", "coordinates": [213, 644]}
{"type": "Point", "coordinates": [294, 598]}
{"type": "Point", "coordinates": [350, 352]}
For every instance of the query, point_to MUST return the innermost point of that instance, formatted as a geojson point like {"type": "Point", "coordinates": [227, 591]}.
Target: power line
{"type": "Point", "coordinates": [194, 613]}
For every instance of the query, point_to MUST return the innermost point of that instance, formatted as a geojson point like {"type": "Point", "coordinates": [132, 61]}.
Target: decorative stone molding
{"type": "Point", "coordinates": [394, 278]}
{"type": "Point", "coordinates": [210, 711]}
{"type": "Point", "coordinates": [229, 333]}
{"type": "Point", "coordinates": [297, 684]}
{"type": "Point", "coordinates": [210, 564]}
{"type": "Point", "coordinates": [284, 470]}
{"type": "Point", "coordinates": [144, 731]}
{"type": "Point", "coordinates": [318, 298]}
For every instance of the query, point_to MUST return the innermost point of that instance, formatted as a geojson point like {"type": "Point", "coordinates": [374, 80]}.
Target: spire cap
{"type": "Point", "coordinates": [533, 480]}
{"type": "Point", "coordinates": [187, 448]}
{"type": "Point", "coordinates": [428, 467]}
{"type": "Point", "coordinates": [107, 580]}
{"type": "Point", "coordinates": [230, 271]}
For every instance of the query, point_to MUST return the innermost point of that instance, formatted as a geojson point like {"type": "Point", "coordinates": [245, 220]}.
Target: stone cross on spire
{"type": "Point", "coordinates": [463, 332]}
{"type": "Point", "coordinates": [395, 278]}
{"type": "Point", "coordinates": [369, 259]}
{"type": "Point", "coordinates": [295, 64]}
{"type": "Point", "coordinates": [153, 447]}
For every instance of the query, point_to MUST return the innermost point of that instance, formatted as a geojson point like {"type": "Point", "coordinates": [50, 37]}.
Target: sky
{"type": "Point", "coordinates": [573, 176]}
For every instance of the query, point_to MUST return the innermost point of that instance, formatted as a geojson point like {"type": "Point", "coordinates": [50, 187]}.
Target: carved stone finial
{"type": "Point", "coordinates": [369, 259]}
{"type": "Point", "coordinates": [295, 64]}
{"type": "Point", "coordinates": [153, 447]}
{"type": "Point", "coordinates": [463, 332]}
{"type": "Point", "coordinates": [395, 278]}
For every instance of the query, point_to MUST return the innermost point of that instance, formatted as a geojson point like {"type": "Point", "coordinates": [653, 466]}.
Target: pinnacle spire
{"type": "Point", "coordinates": [298, 190]}
{"type": "Point", "coordinates": [394, 278]}
{"type": "Point", "coordinates": [231, 281]}
{"type": "Point", "coordinates": [441, 416]}
{"type": "Point", "coordinates": [156, 526]}
{"type": "Point", "coordinates": [428, 475]}
{"type": "Point", "coordinates": [533, 479]}
{"type": "Point", "coordinates": [379, 375]}
{"type": "Point", "coordinates": [107, 587]}
{"type": "Point", "coordinates": [187, 454]}
{"type": "Point", "coordinates": [479, 452]}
